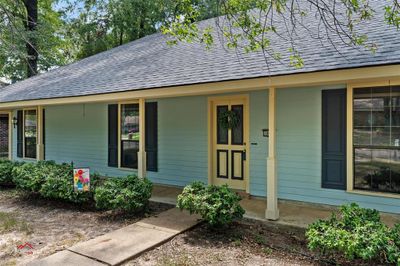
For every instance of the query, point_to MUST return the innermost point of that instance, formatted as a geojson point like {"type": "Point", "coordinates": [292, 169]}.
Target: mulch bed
{"type": "Point", "coordinates": [51, 226]}
{"type": "Point", "coordinates": [245, 243]}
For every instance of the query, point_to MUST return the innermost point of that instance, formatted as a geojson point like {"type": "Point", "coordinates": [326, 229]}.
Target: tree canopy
{"type": "Point", "coordinates": [69, 30]}
{"type": "Point", "coordinates": [249, 24]}
{"type": "Point", "coordinates": [18, 33]}
{"type": "Point", "coordinates": [38, 35]}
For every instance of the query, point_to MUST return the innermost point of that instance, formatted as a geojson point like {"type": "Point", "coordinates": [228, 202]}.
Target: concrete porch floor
{"type": "Point", "coordinates": [291, 212]}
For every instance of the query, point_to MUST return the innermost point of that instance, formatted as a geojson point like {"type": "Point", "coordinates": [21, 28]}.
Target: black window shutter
{"type": "Point", "coordinates": [113, 135]}
{"type": "Point", "coordinates": [44, 133]}
{"type": "Point", "coordinates": [334, 139]}
{"type": "Point", "coordinates": [20, 134]}
{"type": "Point", "coordinates": [151, 136]}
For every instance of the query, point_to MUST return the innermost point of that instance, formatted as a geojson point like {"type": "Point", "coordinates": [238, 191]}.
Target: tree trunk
{"type": "Point", "coordinates": [141, 29]}
{"type": "Point", "coordinates": [142, 17]}
{"type": "Point", "coordinates": [121, 37]}
{"type": "Point", "coordinates": [31, 26]}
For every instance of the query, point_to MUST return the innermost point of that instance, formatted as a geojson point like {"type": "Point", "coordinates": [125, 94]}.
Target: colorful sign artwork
{"type": "Point", "coordinates": [25, 248]}
{"type": "Point", "coordinates": [81, 179]}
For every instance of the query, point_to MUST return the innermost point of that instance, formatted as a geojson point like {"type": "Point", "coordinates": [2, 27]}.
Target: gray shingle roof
{"type": "Point", "coordinates": [150, 63]}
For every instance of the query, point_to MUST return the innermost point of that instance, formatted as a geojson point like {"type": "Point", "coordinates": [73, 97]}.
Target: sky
{"type": "Point", "coordinates": [65, 3]}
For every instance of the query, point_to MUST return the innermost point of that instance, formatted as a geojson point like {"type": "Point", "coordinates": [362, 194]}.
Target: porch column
{"type": "Point", "coordinates": [40, 144]}
{"type": "Point", "coordinates": [142, 140]}
{"type": "Point", "coordinates": [272, 211]}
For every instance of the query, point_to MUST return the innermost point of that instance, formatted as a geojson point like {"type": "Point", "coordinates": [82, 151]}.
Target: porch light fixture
{"type": "Point", "coordinates": [265, 132]}
{"type": "Point", "coordinates": [14, 121]}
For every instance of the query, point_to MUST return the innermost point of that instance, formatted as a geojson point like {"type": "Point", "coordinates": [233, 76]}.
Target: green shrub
{"type": "Point", "coordinates": [356, 233]}
{"type": "Point", "coordinates": [129, 194]}
{"type": "Point", "coordinates": [31, 176]}
{"type": "Point", "coordinates": [51, 180]}
{"type": "Point", "coordinates": [392, 248]}
{"type": "Point", "coordinates": [59, 185]}
{"type": "Point", "coordinates": [6, 167]}
{"type": "Point", "coordinates": [218, 206]}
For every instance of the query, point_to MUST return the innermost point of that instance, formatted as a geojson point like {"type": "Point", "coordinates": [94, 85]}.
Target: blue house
{"type": "Point", "coordinates": [326, 133]}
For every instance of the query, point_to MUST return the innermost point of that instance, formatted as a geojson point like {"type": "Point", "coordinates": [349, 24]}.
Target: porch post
{"type": "Point", "coordinates": [142, 140]}
{"type": "Point", "coordinates": [272, 211]}
{"type": "Point", "coordinates": [39, 144]}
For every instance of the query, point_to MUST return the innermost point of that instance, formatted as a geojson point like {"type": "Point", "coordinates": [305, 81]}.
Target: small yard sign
{"type": "Point", "coordinates": [81, 179]}
{"type": "Point", "coordinates": [25, 248]}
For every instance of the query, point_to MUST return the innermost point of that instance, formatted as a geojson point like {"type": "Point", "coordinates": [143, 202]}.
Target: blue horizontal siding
{"type": "Point", "coordinates": [78, 133]}
{"type": "Point", "coordinates": [182, 136]}
{"type": "Point", "coordinates": [258, 152]}
{"type": "Point", "coordinates": [299, 139]}
{"type": "Point", "coordinates": [81, 137]}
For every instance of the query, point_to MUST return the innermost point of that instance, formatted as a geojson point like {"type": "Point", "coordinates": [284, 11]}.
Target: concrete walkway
{"type": "Point", "coordinates": [118, 246]}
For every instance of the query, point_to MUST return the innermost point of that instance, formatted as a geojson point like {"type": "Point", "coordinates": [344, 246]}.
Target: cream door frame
{"type": "Point", "coordinates": [246, 135]}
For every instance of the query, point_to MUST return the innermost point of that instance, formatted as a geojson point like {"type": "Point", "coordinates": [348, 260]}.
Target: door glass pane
{"type": "Point", "coordinates": [237, 132]}
{"type": "Point", "coordinates": [30, 131]}
{"type": "Point", "coordinates": [4, 136]}
{"type": "Point", "coordinates": [129, 135]}
{"type": "Point", "coordinates": [222, 133]}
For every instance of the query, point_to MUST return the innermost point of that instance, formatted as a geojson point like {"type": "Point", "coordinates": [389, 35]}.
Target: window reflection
{"type": "Point", "coordinates": [30, 132]}
{"type": "Point", "coordinates": [129, 135]}
{"type": "Point", "coordinates": [222, 133]}
{"type": "Point", "coordinates": [237, 132]}
{"type": "Point", "coordinates": [376, 138]}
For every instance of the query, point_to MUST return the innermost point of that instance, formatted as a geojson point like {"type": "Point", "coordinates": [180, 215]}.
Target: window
{"type": "Point", "coordinates": [4, 135]}
{"type": "Point", "coordinates": [129, 135]}
{"type": "Point", "coordinates": [30, 133]}
{"type": "Point", "coordinates": [376, 139]}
